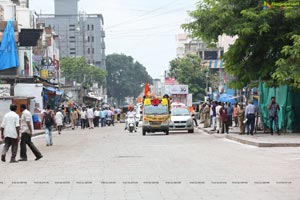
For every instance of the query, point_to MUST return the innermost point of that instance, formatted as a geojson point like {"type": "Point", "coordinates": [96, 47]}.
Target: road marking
{"type": "Point", "coordinates": [245, 145]}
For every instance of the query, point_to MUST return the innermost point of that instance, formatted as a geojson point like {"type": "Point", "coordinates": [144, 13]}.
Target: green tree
{"type": "Point", "coordinates": [267, 44]}
{"type": "Point", "coordinates": [125, 77]}
{"type": "Point", "coordinates": [188, 70]}
{"type": "Point", "coordinates": [77, 69]}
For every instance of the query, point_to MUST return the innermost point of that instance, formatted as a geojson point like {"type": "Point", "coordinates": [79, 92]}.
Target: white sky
{"type": "Point", "coordinates": [143, 29]}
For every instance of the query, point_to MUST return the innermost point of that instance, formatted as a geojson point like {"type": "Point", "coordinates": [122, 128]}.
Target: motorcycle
{"type": "Point", "coordinates": [131, 124]}
{"type": "Point", "coordinates": [108, 121]}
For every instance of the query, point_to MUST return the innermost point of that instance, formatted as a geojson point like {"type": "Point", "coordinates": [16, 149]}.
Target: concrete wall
{"type": "Point", "coordinates": [4, 107]}
{"type": "Point", "coordinates": [30, 90]}
{"type": "Point", "coordinates": [9, 9]}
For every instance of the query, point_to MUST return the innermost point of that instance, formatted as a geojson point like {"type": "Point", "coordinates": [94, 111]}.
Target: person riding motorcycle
{"type": "Point", "coordinates": [130, 112]}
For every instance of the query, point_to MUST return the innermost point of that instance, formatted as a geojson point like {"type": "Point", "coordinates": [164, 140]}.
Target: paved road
{"type": "Point", "coordinates": [109, 163]}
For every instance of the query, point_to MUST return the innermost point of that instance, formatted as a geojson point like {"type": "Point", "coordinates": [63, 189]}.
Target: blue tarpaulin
{"type": "Point", "coordinates": [8, 49]}
{"type": "Point", "coordinates": [227, 98]}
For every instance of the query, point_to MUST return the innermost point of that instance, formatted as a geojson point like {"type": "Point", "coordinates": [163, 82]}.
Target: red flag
{"type": "Point", "coordinates": [147, 89]}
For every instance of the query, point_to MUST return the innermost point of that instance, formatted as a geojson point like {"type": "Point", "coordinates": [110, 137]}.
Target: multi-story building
{"type": "Point", "coordinates": [79, 34]}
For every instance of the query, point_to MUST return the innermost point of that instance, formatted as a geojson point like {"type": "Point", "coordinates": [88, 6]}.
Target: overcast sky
{"type": "Point", "coordinates": [143, 29]}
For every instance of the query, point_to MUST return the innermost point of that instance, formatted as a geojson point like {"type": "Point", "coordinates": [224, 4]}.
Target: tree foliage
{"type": "Point", "coordinates": [188, 70]}
{"type": "Point", "coordinates": [125, 76]}
{"type": "Point", "coordinates": [267, 47]}
{"type": "Point", "coordinates": [77, 69]}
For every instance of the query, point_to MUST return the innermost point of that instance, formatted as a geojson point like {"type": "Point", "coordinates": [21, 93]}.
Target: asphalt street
{"type": "Point", "coordinates": [112, 164]}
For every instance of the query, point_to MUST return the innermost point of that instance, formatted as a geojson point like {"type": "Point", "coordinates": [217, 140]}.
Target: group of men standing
{"type": "Point", "coordinates": [220, 116]}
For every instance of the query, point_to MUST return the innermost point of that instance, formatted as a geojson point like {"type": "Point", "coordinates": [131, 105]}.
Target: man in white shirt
{"type": "Point", "coordinates": [218, 118]}
{"type": "Point", "coordinates": [131, 112]}
{"type": "Point", "coordinates": [10, 133]}
{"type": "Point", "coordinates": [90, 116]}
{"type": "Point", "coordinates": [83, 118]}
{"type": "Point", "coordinates": [26, 134]}
{"type": "Point", "coordinates": [96, 117]}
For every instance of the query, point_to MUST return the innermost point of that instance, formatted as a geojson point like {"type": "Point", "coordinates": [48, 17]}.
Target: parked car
{"type": "Point", "coordinates": [181, 119]}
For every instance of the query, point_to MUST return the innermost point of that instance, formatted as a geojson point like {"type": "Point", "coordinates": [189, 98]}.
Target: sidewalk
{"type": "Point", "coordinates": [259, 139]}
{"type": "Point", "coordinates": [40, 132]}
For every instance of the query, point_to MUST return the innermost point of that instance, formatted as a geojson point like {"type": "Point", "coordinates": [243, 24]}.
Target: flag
{"type": "Point", "coordinates": [147, 89]}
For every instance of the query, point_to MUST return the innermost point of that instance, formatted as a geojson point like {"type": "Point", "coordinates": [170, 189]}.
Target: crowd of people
{"type": "Point", "coordinates": [16, 130]}
{"type": "Point", "coordinates": [220, 116]}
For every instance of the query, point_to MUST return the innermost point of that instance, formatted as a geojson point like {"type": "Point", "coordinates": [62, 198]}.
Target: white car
{"type": "Point", "coordinates": [181, 119]}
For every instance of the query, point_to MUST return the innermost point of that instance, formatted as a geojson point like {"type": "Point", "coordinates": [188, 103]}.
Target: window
{"type": "Point", "coordinates": [92, 38]}
{"type": "Point", "coordinates": [92, 27]}
{"type": "Point", "coordinates": [93, 51]}
{"type": "Point", "coordinates": [72, 27]}
{"type": "Point", "coordinates": [88, 38]}
{"type": "Point", "coordinates": [89, 50]}
{"type": "Point", "coordinates": [210, 55]}
{"type": "Point", "coordinates": [72, 38]}
{"type": "Point", "coordinates": [88, 27]}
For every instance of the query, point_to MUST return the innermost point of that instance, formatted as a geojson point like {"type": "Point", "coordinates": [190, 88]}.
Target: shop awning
{"type": "Point", "coordinates": [51, 89]}
{"type": "Point", "coordinates": [29, 37]}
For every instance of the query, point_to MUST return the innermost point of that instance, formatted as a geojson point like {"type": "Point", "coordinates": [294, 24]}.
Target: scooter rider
{"type": "Point", "coordinates": [130, 112]}
{"type": "Point", "coordinates": [109, 115]}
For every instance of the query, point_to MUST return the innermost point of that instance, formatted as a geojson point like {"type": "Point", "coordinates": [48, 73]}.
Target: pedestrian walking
{"type": "Point", "coordinates": [235, 115]}
{"type": "Point", "coordinates": [214, 115]}
{"type": "Point", "coordinates": [250, 116]}
{"type": "Point", "coordinates": [206, 115]}
{"type": "Point", "coordinates": [48, 122]}
{"type": "Point", "coordinates": [96, 117]}
{"type": "Point", "coordinates": [90, 116]}
{"type": "Point", "coordinates": [102, 117]}
{"type": "Point", "coordinates": [73, 117]}
{"type": "Point", "coordinates": [59, 119]}
{"type": "Point", "coordinates": [10, 128]}
{"type": "Point", "coordinates": [218, 117]}
{"type": "Point", "coordinates": [273, 108]}
{"type": "Point", "coordinates": [241, 118]}
{"type": "Point", "coordinates": [83, 118]}
{"type": "Point", "coordinates": [224, 118]}
{"type": "Point", "coordinates": [26, 134]}
{"type": "Point", "coordinates": [229, 114]}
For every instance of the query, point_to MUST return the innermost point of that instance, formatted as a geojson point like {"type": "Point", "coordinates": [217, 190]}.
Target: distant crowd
{"type": "Point", "coordinates": [220, 116]}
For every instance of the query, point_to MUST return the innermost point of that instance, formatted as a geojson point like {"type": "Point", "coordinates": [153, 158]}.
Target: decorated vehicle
{"type": "Point", "coordinates": [156, 114]}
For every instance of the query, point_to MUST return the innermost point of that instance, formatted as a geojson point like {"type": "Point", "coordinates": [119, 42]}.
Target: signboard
{"type": "Point", "coordinates": [4, 90]}
{"type": "Point", "coordinates": [170, 81]}
{"type": "Point", "coordinates": [176, 89]}
{"type": "Point", "coordinates": [44, 73]}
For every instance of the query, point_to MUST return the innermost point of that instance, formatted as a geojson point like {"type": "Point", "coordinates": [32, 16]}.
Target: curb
{"type": "Point", "coordinates": [256, 144]}
{"type": "Point", "coordinates": [261, 144]}
{"type": "Point", "coordinates": [40, 133]}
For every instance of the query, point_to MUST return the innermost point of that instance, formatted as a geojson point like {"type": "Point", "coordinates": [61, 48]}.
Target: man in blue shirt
{"type": "Point", "coordinates": [103, 116]}
{"type": "Point", "coordinates": [250, 116]}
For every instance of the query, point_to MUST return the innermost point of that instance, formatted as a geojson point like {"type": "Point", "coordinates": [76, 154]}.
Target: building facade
{"type": "Point", "coordinates": [80, 34]}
